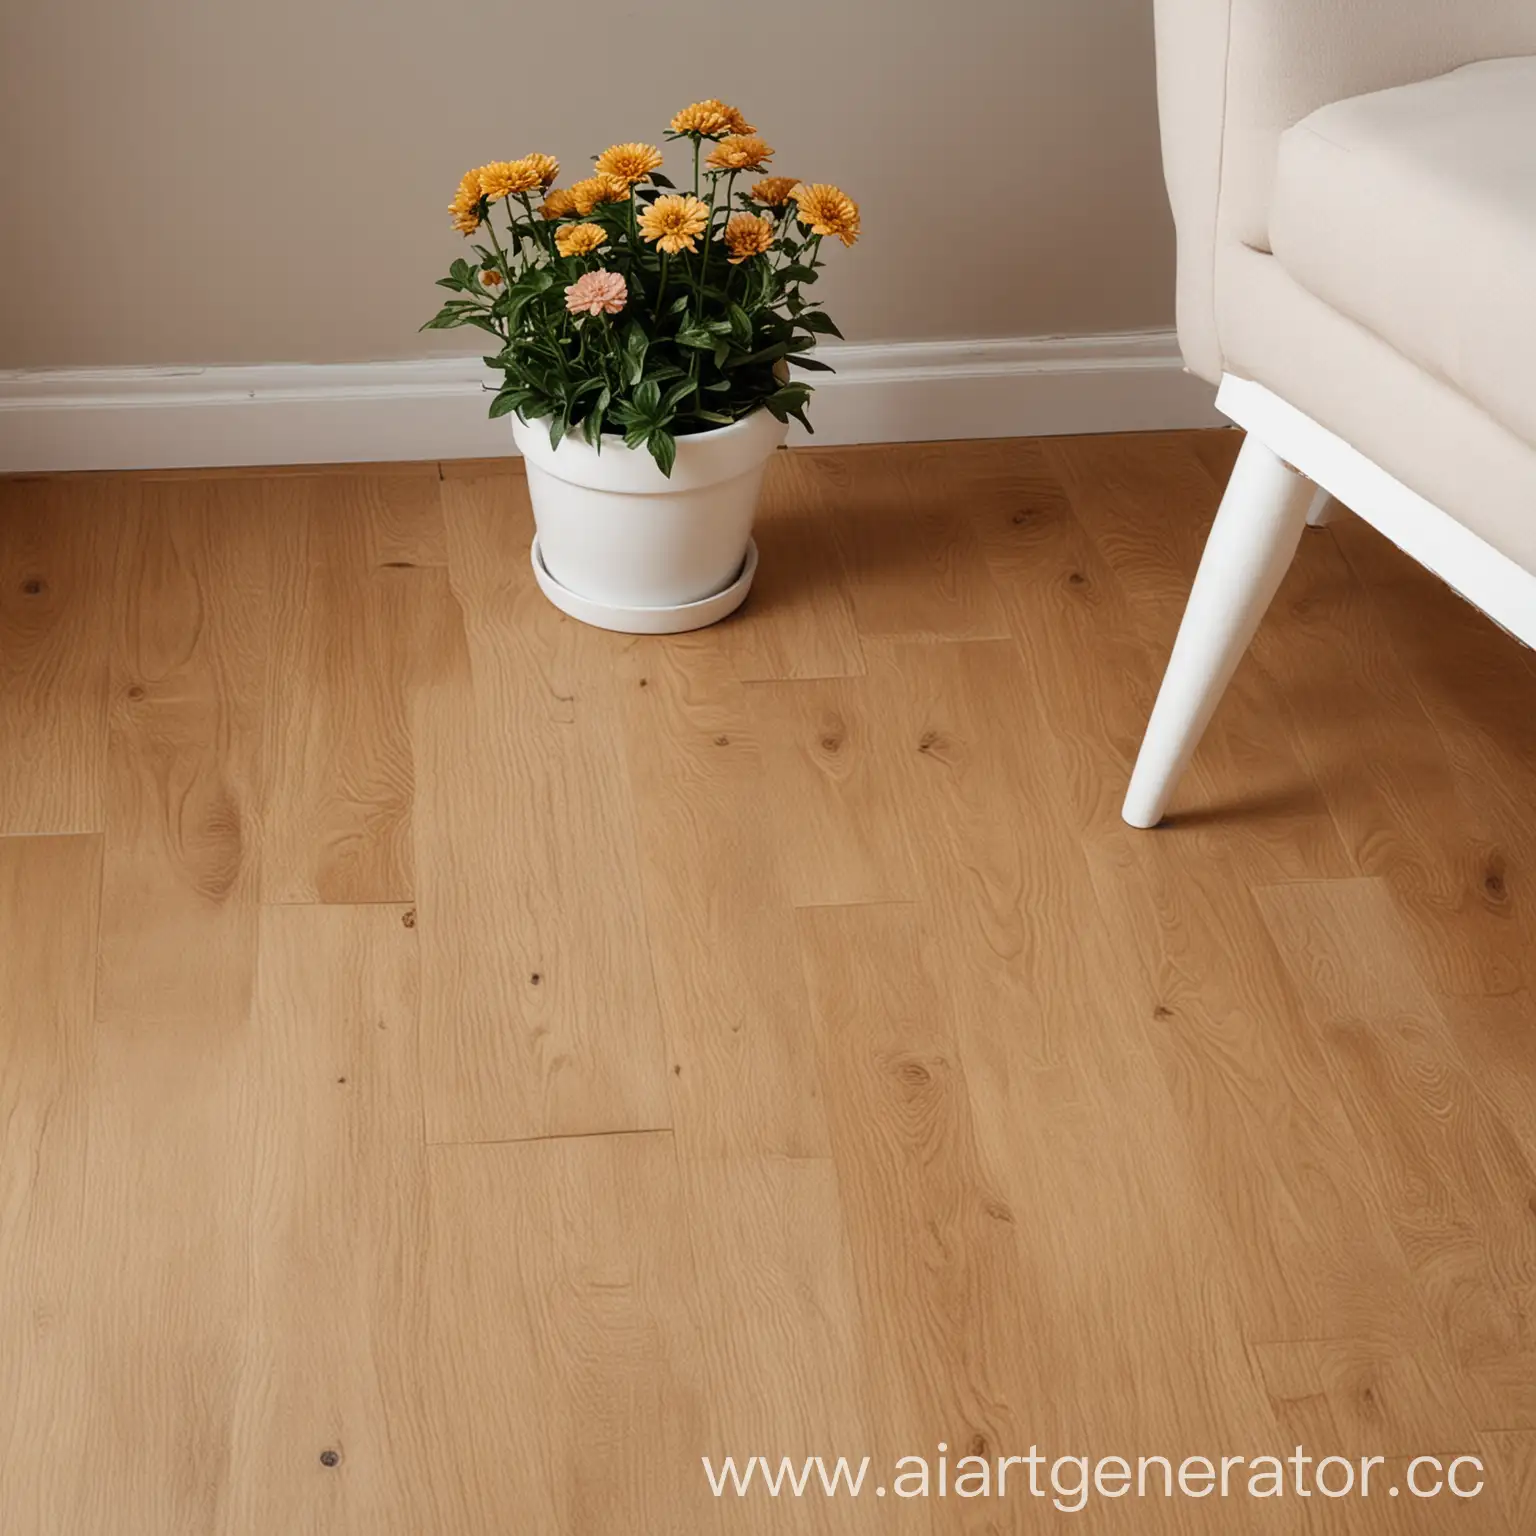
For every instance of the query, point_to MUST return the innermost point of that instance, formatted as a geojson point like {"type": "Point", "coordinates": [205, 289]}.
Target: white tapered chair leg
{"type": "Point", "coordinates": [1321, 511]}
{"type": "Point", "coordinates": [1252, 541]}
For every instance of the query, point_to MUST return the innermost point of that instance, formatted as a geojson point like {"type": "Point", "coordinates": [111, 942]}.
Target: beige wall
{"type": "Point", "coordinates": [206, 181]}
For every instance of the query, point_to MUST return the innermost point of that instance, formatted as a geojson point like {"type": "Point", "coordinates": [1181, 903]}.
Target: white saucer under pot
{"type": "Point", "coordinates": [671, 620]}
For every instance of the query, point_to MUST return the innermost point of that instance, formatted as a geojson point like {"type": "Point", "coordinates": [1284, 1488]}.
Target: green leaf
{"type": "Point", "coordinates": [741, 325]}
{"type": "Point", "coordinates": [819, 320]}
{"type": "Point", "coordinates": [663, 448]}
{"type": "Point", "coordinates": [504, 403]}
{"type": "Point", "coordinates": [795, 273]}
{"type": "Point", "coordinates": [790, 397]}
{"type": "Point", "coordinates": [770, 354]}
{"type": "Point", "coordinates": [662, 181]}
{"type": "Point", "coordinates": [811, 363]}
{"type": "Point", "coordinates": [648, 397]}
{"type": "Point", "coordinates": [594, 422]}
{"type": "Point", "coordinates": [635, 344]}
{"type": "Point", "coordinates": [678, 393]}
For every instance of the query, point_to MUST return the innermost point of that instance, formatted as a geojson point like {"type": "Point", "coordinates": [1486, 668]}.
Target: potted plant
{"type": "Point", "coordinates": [646, 335]}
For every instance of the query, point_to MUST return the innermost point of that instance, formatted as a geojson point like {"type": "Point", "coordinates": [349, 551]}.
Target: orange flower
{"type": "Point", "coordinates": [587, 194]}
{"type": "Point", "coordinates": [579, 239]}
{"type": "Point", "coordinates": [747, 235]}
{"type": "Point", "coordinates": [709, 119]}
{"type": "Point", "coordinates": [558, 203]}
{"type": "Point", "coordinates": [465, 206]}
{"type": "Point", "coordinates": [672, 223]}
{"type": "Point", "coordinates": [546, 167]}
{"type": "Point", "coordinates": [507, 178]}
{"type": "Point", "coordinates": [629, 163]}
{"type": "Point", "coordinates": [737, 153]}
{"type": "Point", "coordinates": [827, 210]}
{"type": "Point", "coordinates": [773, 191]}
{"type": "Point", "coordinates": [491, 278]}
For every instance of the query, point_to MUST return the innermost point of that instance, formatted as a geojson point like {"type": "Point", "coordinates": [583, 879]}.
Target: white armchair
{"type": "Point", "coordinates": [1354, 185]}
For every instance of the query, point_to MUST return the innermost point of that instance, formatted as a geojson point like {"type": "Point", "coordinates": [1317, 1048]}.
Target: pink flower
{"type": "Point", "coordinates": [597, 293]}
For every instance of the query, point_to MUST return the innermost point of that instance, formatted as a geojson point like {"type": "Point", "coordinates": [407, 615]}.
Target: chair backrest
{"type": "Point", "coordinates": [1233, 75]}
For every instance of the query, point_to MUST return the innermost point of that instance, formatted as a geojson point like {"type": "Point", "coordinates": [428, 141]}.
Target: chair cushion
{"type": "Point", "coordinates": [1413, 212]}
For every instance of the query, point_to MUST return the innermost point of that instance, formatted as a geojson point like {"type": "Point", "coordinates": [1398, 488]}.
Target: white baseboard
{"type": "Point", "coordinates": [282, 413]}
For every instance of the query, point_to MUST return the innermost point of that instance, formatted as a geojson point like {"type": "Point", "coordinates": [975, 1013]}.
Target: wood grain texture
{"type": "Point", "coordinates": [339, 765]}
{"type": "Point", "coordinates": [1482, 704]}
{"type": "Point", "coordinates": [1457, 1183]}
{"type": "Point", "coordinates": [834, 793]}
{"type": "Point", "coordinates": [461, 1067]}
{"type": "Point", "coordinates": [564, 1385]}
{"type": "Point", "coordinates": [935, 1250]}
{"type": "Point", "coordinates": [722, 936]}
{"type": "Point", "coordinates": [49, 1414]}
{"type": "Point", "coordinates": [1510, 1457]}
{"type": "Point", "coordinates": [336, 1231]}
{"type": "Point", "coordinates": [896, 520]}
{"type": "Point", "coordinates": [1400, 805]}
{"type": "Point", "coordinates": [800, 622]}
{"type": "Point", "coordinates": [535, 968]}
{"type": "Point", "coordinates": [57, 547]}
{"type": "Point", "coordinates": [181, 872]}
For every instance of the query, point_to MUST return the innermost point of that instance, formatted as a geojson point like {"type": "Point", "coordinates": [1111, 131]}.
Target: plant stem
{"type": "Point", "coordinates": [661, 289]}
{"type": "Point", "coordinates": [538, 220]}
{"type": "Point", "coordinates": [709, 230]}
{"type": "Point", "coordinates": [506, 273]}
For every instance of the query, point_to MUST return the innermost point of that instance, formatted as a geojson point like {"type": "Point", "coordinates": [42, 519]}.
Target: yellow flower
{"type": "Point", "coordinates": [507, 178]}
{"type": "Point", "coordinates": [629, 163]}
{"type": "Point", "coordinates": [773, 191]}
{"type": "Point", "coordinates": [827, 210]}
{"type": "Point", "coordinates": [579, 239]}
{"type": "Point", "coordinates": [465, 206]}
{"type": "Point", "coordinates": [587, 194]}
{"type": "Point", "coordinates": [545, 166]}
{"type": "Point", "coordinates": [748, 234]}
{"type": "Point", "coordinates": [710, 119]}
{"type": "Point", "coordinates": [673, 222]}
{"type": "Point", "coordinates": [491, 278]}
{"type": "Point", "coordinates": [739, 154]}
{"type": "Point", "coordinates": [558, 203]}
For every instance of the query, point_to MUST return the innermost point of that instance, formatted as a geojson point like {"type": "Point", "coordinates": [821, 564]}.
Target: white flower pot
{"type": "Point", "coordinates": [621, 545]}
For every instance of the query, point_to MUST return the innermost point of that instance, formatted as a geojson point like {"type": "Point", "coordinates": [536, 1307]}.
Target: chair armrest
{"type": "Point", "coordinates": [1233, 75]}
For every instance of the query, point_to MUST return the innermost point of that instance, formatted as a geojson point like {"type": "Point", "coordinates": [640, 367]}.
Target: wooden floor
{"type": "Point", "coordinates": [458, 1067]}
